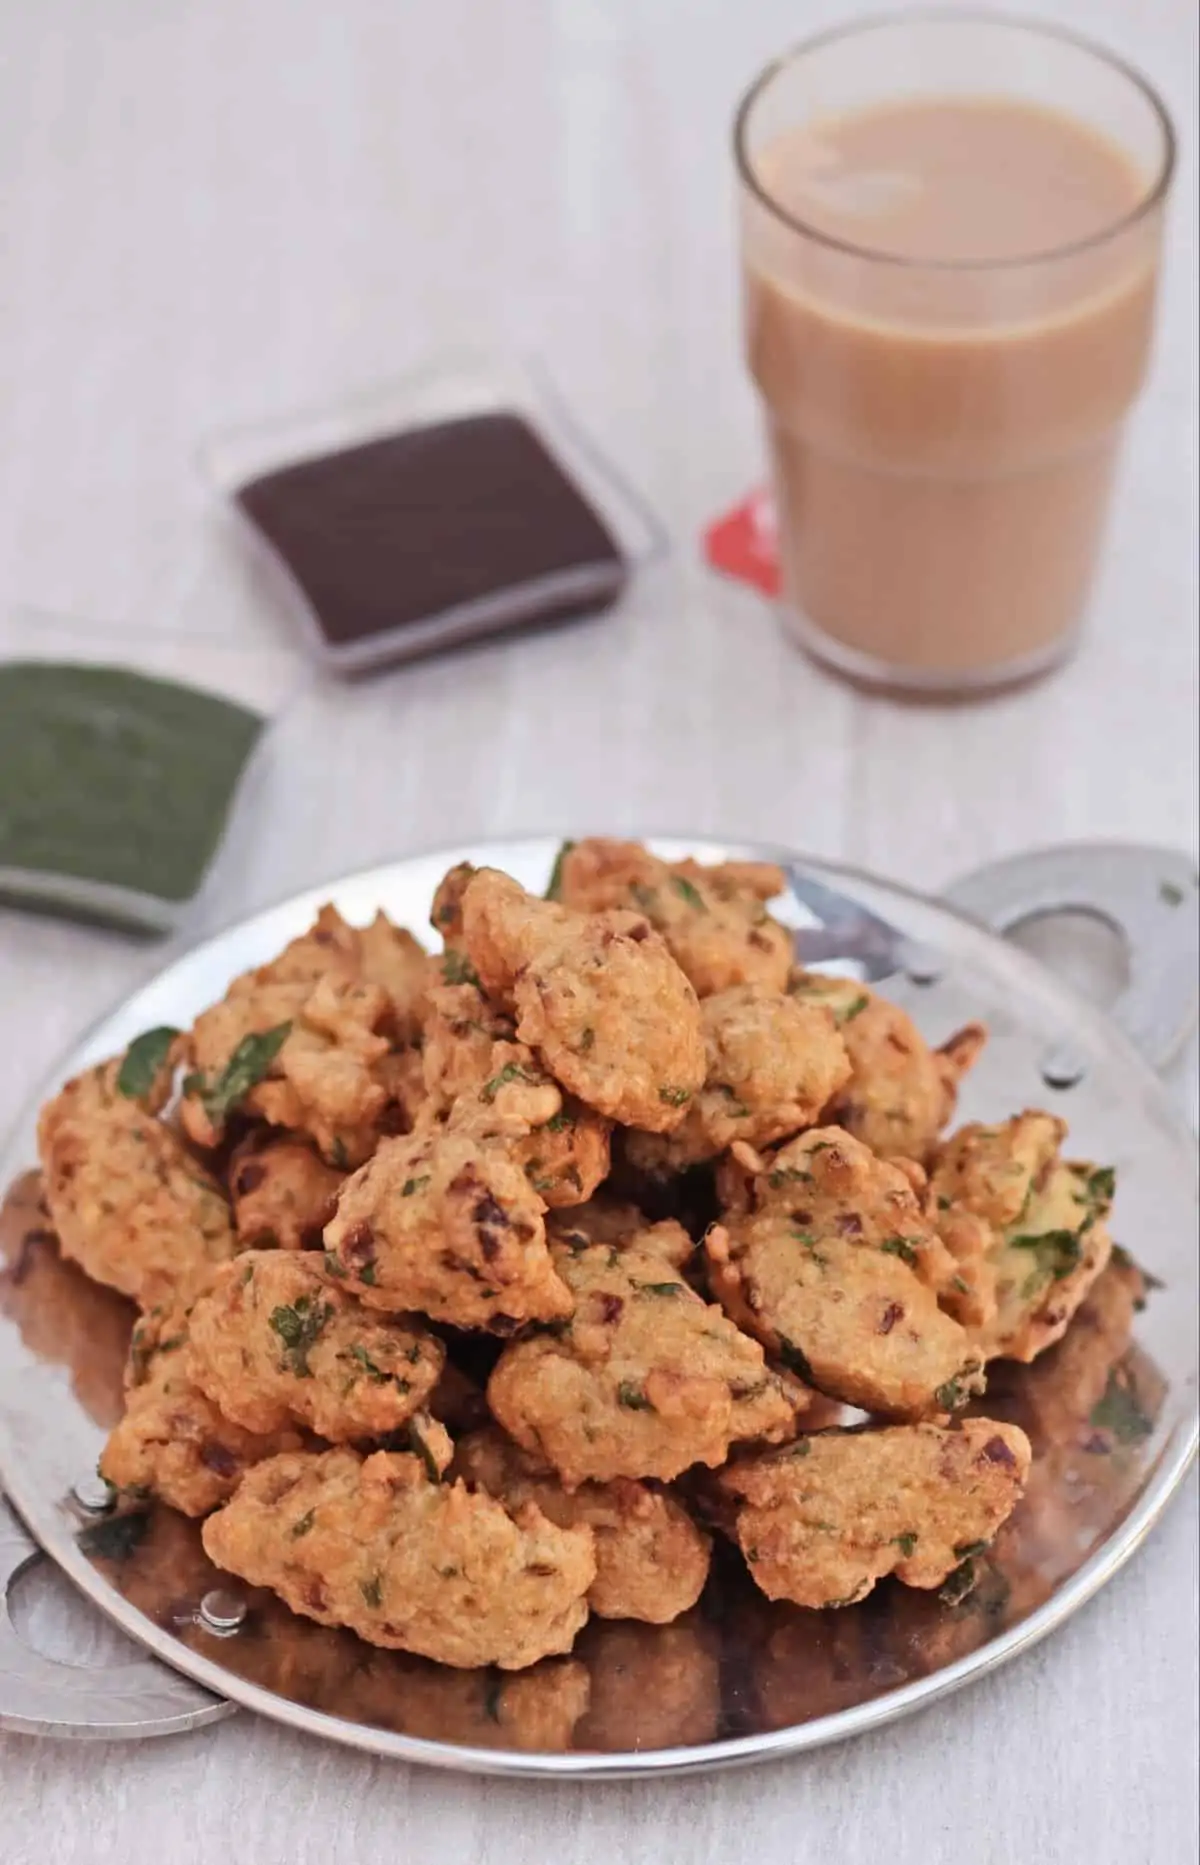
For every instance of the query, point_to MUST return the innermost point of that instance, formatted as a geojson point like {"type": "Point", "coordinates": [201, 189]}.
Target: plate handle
{"type": "Point", "coordinates": [39, 1696]}
{"type": "Point", "coordinates": [1148, 894]}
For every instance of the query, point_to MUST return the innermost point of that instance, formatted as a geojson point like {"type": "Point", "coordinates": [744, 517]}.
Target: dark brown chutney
{"type": "Point", "coordinates": [408, 542]}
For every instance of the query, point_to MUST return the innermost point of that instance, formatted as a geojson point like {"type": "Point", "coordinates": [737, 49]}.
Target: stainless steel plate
{"type": "Point", "coordinates": [739, 1679]}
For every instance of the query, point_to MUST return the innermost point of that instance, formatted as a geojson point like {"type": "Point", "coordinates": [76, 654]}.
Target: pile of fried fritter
{"type": "Point", "coordinates": [478, 1290]}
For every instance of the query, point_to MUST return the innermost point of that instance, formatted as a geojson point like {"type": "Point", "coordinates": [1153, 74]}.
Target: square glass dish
{"type": "Point", "coordinates": [457, 502]}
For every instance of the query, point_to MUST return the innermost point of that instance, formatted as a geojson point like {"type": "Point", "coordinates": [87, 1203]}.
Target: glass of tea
{"type": "Point", "coordinates": [950, 235]}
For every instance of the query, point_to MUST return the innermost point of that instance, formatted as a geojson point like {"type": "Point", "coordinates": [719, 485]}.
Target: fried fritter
{"type": "Point", "coordinates": [712, 918]}
{"type": "Point", "coordinates": [326, 1081]}
{"type": "Point", "coordinates": [173, 1442]}
{"type": "Point", "coordinates": [773, 1063]}
{"type": "Point", "coordinates": [1054, 1399]}
{"type": "Point", "coordinates": [299, 1041]}
{"type": "Point", "coordinates": [651, 1559]}
{"type": "Point", "coordinates": [401, 1075]}
{"type": "Point", "coordinates": [283, 1193]}
{"type": "Point", "coordinates": [598, 997]}
{"type": "Point", "coordinates": [447, 1224]}
{"type": "Point", "coordinates": [300, 1054]}
{"type": "Point", "coordinates": [515, 1098]}
{"type": "Point", "coordinates": [379, 953]}
{"type": "Point", "coordinates": [980, 1180]}
{"type": "Point", "coordinates": [829, 1261]}
{"type": "Point", "coordinates": [391, 957]}
{"type": "Point", "coordinates": [477, 1076]}
{"type": "Point", "coordinates": [645, 1380]}
{"type": "Point", "coordinates": [445, 915]}
{"type": "Point", "coordinates": [901, 1093]}
{"type": "Point", "coordinates": [990, 1171]}
{"type": "Point", "coordinates": [128, 1201]}
{"type": "Point", "coordinates": [823, 1519]}
{"type": "Point", "coordinates": [461, 1030]}
{"type": "Point", "coordinates": [1034, 1221]}
{"type": "Point", "coordinates": [405, 1562]}
{"type": "Point", "coordinates": [234, 1043]}
{"type": "Point", "coordinates": [567, 1158]}
{"type": "Point", "coordinates": [276, 1341]}
{"type": "Point", "coordinates": [604, 1220]}
{"type": "Point", "coordinates": [1048, 1262]}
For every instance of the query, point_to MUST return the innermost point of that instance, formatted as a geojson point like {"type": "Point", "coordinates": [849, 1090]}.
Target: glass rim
{"type": "Point", "coordinates": [1018, 23]}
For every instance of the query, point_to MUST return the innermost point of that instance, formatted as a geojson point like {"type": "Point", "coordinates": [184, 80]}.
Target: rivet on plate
{"type": "Point", "coordinates": [1063, 1067]}
{"type": "Point", "coordinates": [222, 1612]}
{"type": "Point", "coordinates": [920, 963]}
{"type": "Point", "coordinates": [93, 1495]}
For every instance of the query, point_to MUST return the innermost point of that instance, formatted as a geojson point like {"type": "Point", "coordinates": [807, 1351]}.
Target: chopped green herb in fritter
{"type": "Point", "coordinates": [143, 1062]}
{"type": "Point", "coordinates": [684, 888]}
{"type": "Point", "coordinates": [244, 1070]}
{"type": "Point", "coordinates": [299, 1328]}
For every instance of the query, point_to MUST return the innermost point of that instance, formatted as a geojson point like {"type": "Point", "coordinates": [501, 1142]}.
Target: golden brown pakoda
{"type": "Point", "coordinates": [609, 1221]}
{"type": "Point", "coordinates": [476, 1075]}
{"type": "Point", "coordinates": [445, 914]}
{"type": "Point", "coordinates": [651, 1559]}
{"type": "Point", "coordinates": [297, 1053]}
{"type": "Point", "coordinates": [828, 1260]}
{"type": "Point", "coordinates": [516, 1095]}
{"type": "Point", "coordinates": [401, 1075]}
{"type": "Point", "coordinates": [127, 1200]}
{"type": "Point", "coordinates": [599, 997]}
{"type": "Point", "coordinates": [446, 1223]}
{"type": "Point", "coordinates": [977, 1186]}
{"type": "Point", "coordinates": [644, 1380]}
{"type": "Point", "coordinates": [391, 957]}
{"type": "Point", "coordinates": [460, 1031]}
{"type": "Point", "coordinates": [275, 1341]}
{"type": "Point", "coordinates": [325, 1080]}
{"type": "Point", "coordinates": [300, 1041]}
{"type": "Point", "coordinates": [1057, 1395]}
{"type": "Point", "coordinates": [1034, 1221]}
{"type": "Point", "coordinates": [173, 1442]}
{"type": "Point", "coordinates": [282, 1191]}
{"type": "Point", "coordinates": [773, 1063]}
{"type": "Point", "coordinates": [989, 1172]}
{"type": "Point", "coordinates": [713, 919]}
{"type": "Point", "coordinates": [405, 1562]}
{"type": "Point", "coordinates": [378, 953]}
{"type": "Point", "coordinates": [567, 1157]}
{"type": "Point", "coordinates": [901, 1093]}
{"type": "Point", "coordinates": [821, 1520]}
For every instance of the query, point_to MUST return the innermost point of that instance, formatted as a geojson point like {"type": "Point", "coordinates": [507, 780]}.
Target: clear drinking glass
{"type": "Point", "coordinates": [944, 404]}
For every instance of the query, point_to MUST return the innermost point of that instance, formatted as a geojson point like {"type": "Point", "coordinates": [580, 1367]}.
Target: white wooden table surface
{"type": "Point", "coordinates": [217, 210]}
